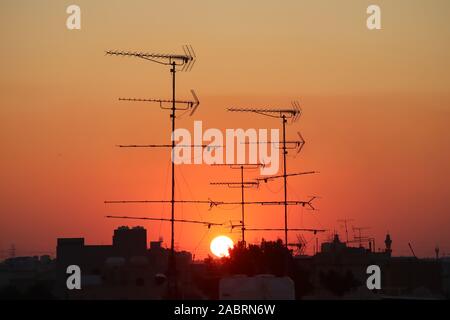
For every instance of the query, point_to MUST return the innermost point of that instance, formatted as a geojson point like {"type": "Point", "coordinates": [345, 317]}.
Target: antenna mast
{"type": "Point", "coordinates": [181, 62]}
{"type": "Point", "coordinates": [242, 184]}
{"type": "Point", "coordinates": [359, 238]}
{"type": "Point", "coordinates": [345, 222]}
{"type": "Point", "coordinates": [284, 114]}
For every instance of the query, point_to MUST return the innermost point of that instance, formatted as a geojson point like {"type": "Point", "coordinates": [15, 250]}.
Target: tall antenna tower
{"type": "Point", "coordinates": [176, 62]}
{"type": "Point", "coordinates": [285, 114]}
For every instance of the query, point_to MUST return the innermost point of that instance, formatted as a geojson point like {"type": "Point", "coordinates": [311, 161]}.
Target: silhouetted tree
{"type": "Point", "coordinates": [268, 257]}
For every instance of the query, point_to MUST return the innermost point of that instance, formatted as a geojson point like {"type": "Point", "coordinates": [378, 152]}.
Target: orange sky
{"type": "Point", "coordinates": [376, 108]}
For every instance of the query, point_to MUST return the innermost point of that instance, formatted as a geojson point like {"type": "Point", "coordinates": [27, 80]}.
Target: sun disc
{"type": "Point", "coordinates": [220, 246]}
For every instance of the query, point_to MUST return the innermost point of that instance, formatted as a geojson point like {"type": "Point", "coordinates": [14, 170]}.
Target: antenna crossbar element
{"type": "Point", "coordinates": [205, 223]}
{"type": "Point", "coordinates": [167, 146]}
{"type": "Point", "coordinates": [289, 229]}
{"type": "Point", "coordinates": [232, 226]}
{"type": "Point", "coordinates": [149, 56]}
{"type": "Point", "coordinates": [239, 165]}
{"type": "Point", "coordinates": [274, 203]}
{"type": "Point", "coordinates": [186, 60]}
{"type": "Point", "coordinates": [294, 144]}
{"type": "Point", "coordinates": [210, 202]}
{"type": "Point", "coordinates": [243, 184]}
{"type": "Point", "coordinates": [187, 104]}
{"type": "Point", "coordinates": [293, 113]}
{"type": "Point", "coordinates": [291, 203]}
{"type": "Point", "coordinates": [359, 238]}
{"type": "Point", "coordinates": [266, 179]}
{"type": "Point", "coordinates": [158, 201]}
{"type": "Point", "coordinates": [284, 114]}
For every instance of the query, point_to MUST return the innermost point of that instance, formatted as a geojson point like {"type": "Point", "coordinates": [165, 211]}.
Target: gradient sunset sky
{"type": "Point", "coordinates": [376, 116]}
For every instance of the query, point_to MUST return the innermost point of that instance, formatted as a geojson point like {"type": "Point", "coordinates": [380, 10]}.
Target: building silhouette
{"type": "Point", "coordinates": [126, 269]}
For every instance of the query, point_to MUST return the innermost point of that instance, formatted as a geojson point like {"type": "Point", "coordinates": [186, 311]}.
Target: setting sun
{"type": "Point", "coordinates": [220, 245]}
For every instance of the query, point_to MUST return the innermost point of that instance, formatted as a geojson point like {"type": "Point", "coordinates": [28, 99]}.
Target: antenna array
{"type": "Point", "coordinates": [185, 62]}
{"type": "Point", "coordinates": [177, 62]}
{"type": "Point", "coordinates": [285, 114]}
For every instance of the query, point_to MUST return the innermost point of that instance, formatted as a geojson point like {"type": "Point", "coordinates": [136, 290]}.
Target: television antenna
{"type": "Point", "coordinates": [182, 62]}
{"type": "Point", "coordinates": [176, 62]}
{"type": "Point", "coordinates": [204, 223]}
{"type": "Point", "coordinates": [243, 185]}
{"type": "Point", "coordinates": [359, 238]}
{"type": "Point", "coordinates": [213, 203]}
{"type": "Point", "coordinates": [232, 226]}
{"type": "Point", "coordinates": [345, 222]}
{"type": "Point", "coordinates": [285, 114]}
{"type": "Point", "coordinates": [300, 245]}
